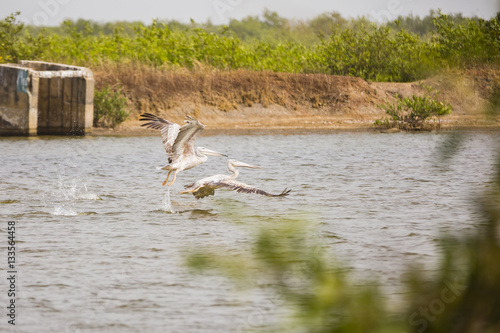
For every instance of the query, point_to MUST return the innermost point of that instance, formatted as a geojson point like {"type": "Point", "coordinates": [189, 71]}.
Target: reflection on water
{"type": "Point", "coordinates": [101, 242]}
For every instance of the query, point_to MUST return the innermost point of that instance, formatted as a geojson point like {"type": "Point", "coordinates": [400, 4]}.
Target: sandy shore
{"type": "Point", "coordinates": [331, 126]}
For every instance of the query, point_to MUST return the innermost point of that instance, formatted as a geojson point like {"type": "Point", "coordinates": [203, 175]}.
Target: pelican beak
{"type": "Point", "coordinates": [209, 152]}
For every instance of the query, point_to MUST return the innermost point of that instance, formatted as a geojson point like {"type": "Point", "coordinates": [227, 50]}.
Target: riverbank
{"type": "Point", "coordinates": [245, 101]}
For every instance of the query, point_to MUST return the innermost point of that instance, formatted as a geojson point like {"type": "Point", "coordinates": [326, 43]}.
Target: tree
{"type": "Point", "coordinates": [9, 38]}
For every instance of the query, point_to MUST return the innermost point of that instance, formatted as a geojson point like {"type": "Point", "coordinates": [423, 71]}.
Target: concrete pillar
{"type": "Point", "coordinates": [55, 107]}
{"type": "Point", "coordinates": [89, 104]}
{"type": "Point", "coordinates": [43, 102]}
{"type": "Point", "coordinates": [16, 115]}
{"type": "Point", "coordinates": [67, 90]}
{"type": "Point", "coordinates": [33, 106]}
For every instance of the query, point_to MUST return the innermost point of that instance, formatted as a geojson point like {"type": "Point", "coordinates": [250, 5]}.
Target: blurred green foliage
{"type": "Point", "coordinates": [287, 257]}
{"type": "Point", "coordinates": [405, 50]}
{"type": "Point", "coordinates": [464, 295]}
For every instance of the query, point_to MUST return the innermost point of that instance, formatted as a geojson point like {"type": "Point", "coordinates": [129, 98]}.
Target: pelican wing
{"type": "Point", "coordinates": [204, 191]}
{"type": "Point", "coordinates": [169, 131]}
{"type": "Point", "coordinates": [204, 187]}
{"type": "Point", "coordinates": [245, 188]}
{"type": "Point", "coordinates": [184, 143]}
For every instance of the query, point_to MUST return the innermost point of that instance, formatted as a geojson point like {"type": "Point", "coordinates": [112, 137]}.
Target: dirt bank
{"type": "Point", "coordinates": [246, 100]}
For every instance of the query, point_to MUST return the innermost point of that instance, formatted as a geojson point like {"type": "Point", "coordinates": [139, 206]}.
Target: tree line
{"type": "Point", "coordinates": [407, 49]}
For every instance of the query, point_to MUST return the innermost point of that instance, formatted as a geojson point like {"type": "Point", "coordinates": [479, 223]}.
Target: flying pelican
{"type": "Point", "coordinates": [207, 186]}
{"type": "Point", "coordinates": [179, 143]}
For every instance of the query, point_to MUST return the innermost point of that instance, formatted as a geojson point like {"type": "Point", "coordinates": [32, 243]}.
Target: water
{"type": "Point", "coordinates": [101, 242]}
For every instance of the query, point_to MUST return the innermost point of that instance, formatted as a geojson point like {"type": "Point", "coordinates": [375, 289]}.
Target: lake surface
{"type": "Point", "coordinates": [99, 249]}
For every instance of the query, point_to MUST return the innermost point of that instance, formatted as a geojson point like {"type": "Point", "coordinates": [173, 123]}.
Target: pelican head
{"type": "Point", "coordinates": [208, 152]}
{"type": "Point", "coordinates": [236, 163]}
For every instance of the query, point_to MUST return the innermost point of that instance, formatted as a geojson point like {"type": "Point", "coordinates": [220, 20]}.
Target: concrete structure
{"type": "Point", "coordinates": [44, 98]}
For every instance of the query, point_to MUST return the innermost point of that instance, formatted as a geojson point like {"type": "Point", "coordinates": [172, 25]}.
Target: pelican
{"type": "Point", "coordinates": [179, 143]}
{"type": "Point", "coordinates": [207, 186]}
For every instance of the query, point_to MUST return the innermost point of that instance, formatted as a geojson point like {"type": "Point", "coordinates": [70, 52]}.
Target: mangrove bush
{"type": "Point", "coordinates": [110, 107]}
{"type": "Point", "coordinates": [396, 51]}
{"type": "Point", "coordinates": [414, 112]}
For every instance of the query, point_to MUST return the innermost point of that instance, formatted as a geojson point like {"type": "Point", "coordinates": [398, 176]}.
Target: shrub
{"type": "Point", "coordinates": [412, 113]}
{"type": "Point", "coordinates": [16, 45]}
{"type": "Point", "coordinates": [473, 42]}
{"type": "Point", "coordinates": [375, 53]}
{"type": "Point", "coordinates": [109, 107]}
{"type": "Point", "coordinates": [9, 31]}
{"type": "Point", "coordinates": [387, 52]}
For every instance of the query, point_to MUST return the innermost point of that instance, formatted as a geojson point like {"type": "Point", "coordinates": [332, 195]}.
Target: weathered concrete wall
{"type": "Point", "coordinates": [17, 105]}
{"type": "Point", "coordinates": [45, 98]}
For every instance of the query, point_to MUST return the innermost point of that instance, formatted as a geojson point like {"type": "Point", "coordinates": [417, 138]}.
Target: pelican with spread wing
{"type": "Point", "coordinates": [207, 186]}
{"type": "Point", "coordinates": [179, 143]}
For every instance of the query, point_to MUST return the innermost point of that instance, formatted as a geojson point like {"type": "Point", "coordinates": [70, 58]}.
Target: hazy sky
{"type": "Point", "coordinates": [53, 12]}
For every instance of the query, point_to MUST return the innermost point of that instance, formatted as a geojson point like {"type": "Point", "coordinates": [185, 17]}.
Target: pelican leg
{"type": "Point", "coordinates": [166, 180]}
{"type": "Point", "coordinates": [173, 180]}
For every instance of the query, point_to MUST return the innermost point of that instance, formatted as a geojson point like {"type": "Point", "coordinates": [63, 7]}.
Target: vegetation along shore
{"type": "Point", "coordinates": [268, 72]}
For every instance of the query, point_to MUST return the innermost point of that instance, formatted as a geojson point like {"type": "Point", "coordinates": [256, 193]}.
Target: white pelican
{"type": "Point", "coordinates": [179, 143]}
{"type": "Point", "coordinates": [207, 186]}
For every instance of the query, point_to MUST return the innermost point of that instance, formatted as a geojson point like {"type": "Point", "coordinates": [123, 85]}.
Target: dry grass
{"type": "Point", "coordinates": [153, 88]}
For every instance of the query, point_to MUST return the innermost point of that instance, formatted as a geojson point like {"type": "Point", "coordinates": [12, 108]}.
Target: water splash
{"type": "Point", "coordinates": [167, 204]}
{"type": "Point", "coordinates": [60, 210]}
{"type": "Point", "coordinates": [76, 190]}
{"type": "Point", "coordinates": [86, 195]}
{"type": "Point", "coordinates": [70, 192]}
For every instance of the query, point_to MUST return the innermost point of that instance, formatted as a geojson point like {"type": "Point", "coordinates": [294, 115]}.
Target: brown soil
{"type": "Point", "coordinates": [241, 101]}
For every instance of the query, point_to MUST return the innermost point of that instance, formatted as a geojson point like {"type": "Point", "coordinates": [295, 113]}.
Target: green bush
{"type": "Point", "coordinates": [355, 47]}
{"type": "Point", "coordinates": [412, 113]}
{"type": "Point", "coordinates": [16, 45]}
{"type": "Point", "coordinates": [473, 42]}
{"type": "Point", "coordinates": [9, 35]}
{"type": "Point", "coordinates": [109, 107]}
{"type": "Point", "coordinates": [363, 49]}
